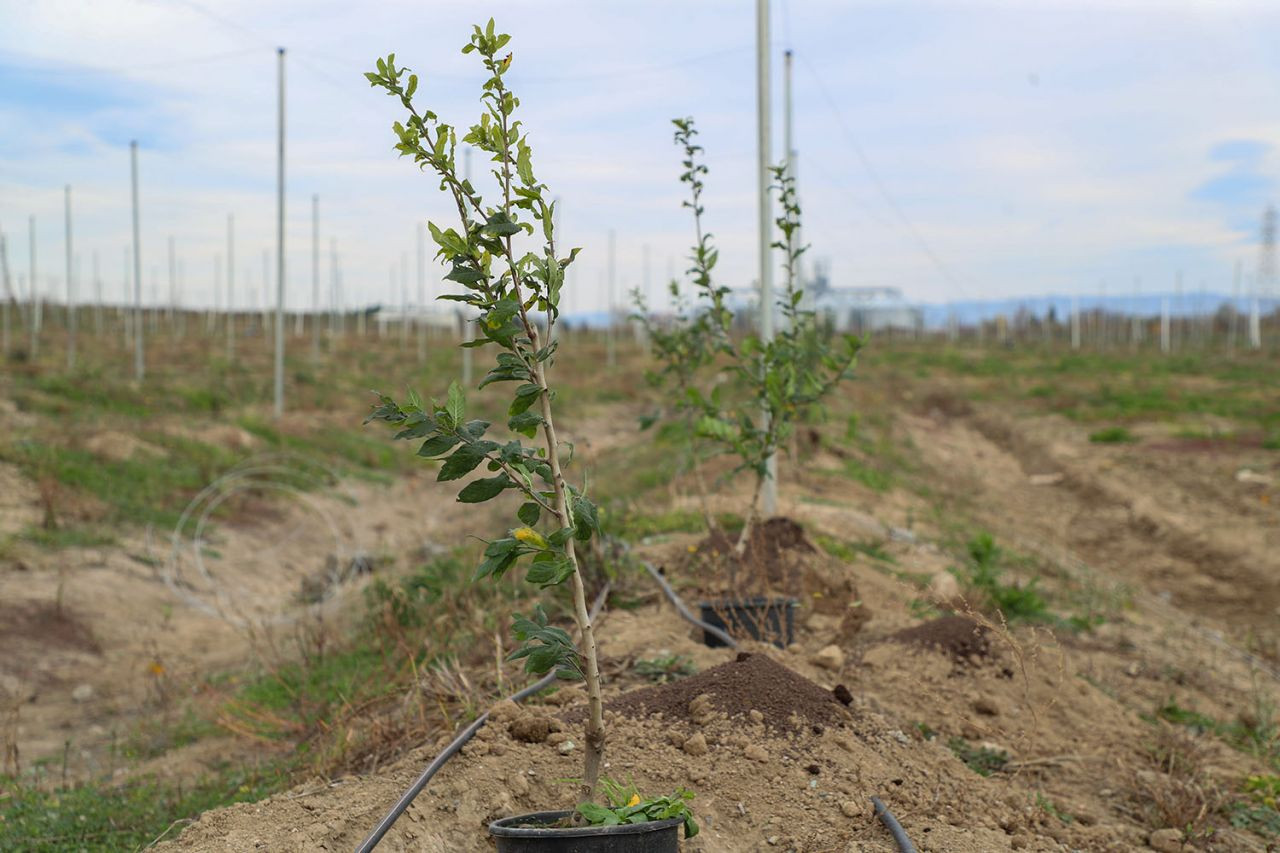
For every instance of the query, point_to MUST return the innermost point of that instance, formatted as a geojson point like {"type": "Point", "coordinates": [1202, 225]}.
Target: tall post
{"type": "Point", "coordinates": [1176, 321]}
{"type": "Point", "coordinates": [420, 314]}
{"type": "Point", "coordinates": [231, 287]}
{"type": "Point", "coordinates": [139, 364]}
{"type": "Point", "coordinates": [1135, 321]}
{"type": "Point", "coordinates": [1234, 317]}
{"type": "Point", "coordinates": [769, 487]}
{"type": "Point", "coordinates": [1164, 325]}
{"type": "Point", "coordinates": [33, 289]}
{"type": "Point", "coordinates": [97, 296]}
{"type": "Point", "coordinates": [611, 344]}
{"type": "Point", "coordinates": [315, 276]}
{"type": "Point", "coordinates": [404, 299]}
{"type": "Point", "coordinates": [8, 298]}
{"type": "Point", "coordinates": [71, 300]}
{"type": "Point", "coordinates": [279, 384]}
{"type": "Point", "coordinates": [1075, 322]}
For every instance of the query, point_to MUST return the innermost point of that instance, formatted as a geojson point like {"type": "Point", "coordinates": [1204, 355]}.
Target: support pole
{"type": "Point", "coordinates": [279, 371]}
{"type": "Point", "coordinates": [769, 487]}
{"type": "Point", "coordinates": [611, 344]}
{"type": "Point", "coordinates": [71, 299]}
{"type": "Point", "coordinates": [315, 276]}
{"type": "Point", "coordinates": [231, 287]}
{"type": "Point", "coordinates": [139, 364]}
{"type": "Point", "coordinates": [420, 314]}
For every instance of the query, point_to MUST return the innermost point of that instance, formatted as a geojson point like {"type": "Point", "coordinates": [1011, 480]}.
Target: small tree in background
{"type": "Point", "coordinates": [773, 383]}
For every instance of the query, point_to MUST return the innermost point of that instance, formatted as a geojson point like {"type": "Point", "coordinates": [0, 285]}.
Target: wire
{"type": "Point", "coordinates": [452, 749]}
{"type": "Point", "coordinates": [879, 184]}
{"type": "Point", "coordinates": [895, 829]}
{"type": "Point", "coordinates": [122, 69]}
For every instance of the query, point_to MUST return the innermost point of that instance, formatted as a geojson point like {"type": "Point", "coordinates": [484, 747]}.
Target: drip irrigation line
{"type": "Point", "coordinates": [684, 611]}
{"type": "Point", "coordinates": [452, 749]}
{"type": "Point", "coordinates": [895, 829]}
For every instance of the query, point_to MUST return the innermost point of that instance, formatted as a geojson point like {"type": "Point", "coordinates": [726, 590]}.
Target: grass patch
{"type": "Point", "coordinates": [103, 817]}
{"type": "Point", "coordinates": [1112, 435]}
{"type": "Point", "coordinates": [980, 759]}
{"type": "Point", "coordinates": [983, 575]}
{"type": "Point", "coordinates": [848, 551]}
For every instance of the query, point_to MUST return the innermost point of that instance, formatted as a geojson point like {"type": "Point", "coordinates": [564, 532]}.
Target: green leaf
{"type": "Point", "coordinates": [529, 513]}
{"type": "Point", "coordinates": [457, 404]}
{"type": "Point", "coordinates": [526, 423]}
{"type": "Point", "coordinates": [437, 445]}
{"type": "Point", "coordinates": [486, 488]}
{"type": "Point", "coordinates": [597, 815]}
{"type": "Point", "coordinates": [463, 461]}
{"type": "Point", "coordinates": [586, 520]}
{"type": "Point", "coordinates": [526, 396]}
{"type": "Point", "coordinates": [549, 569]}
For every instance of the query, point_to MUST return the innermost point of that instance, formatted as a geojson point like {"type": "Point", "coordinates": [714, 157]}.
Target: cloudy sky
{"type": "Point", "coordinates": [957, 150]}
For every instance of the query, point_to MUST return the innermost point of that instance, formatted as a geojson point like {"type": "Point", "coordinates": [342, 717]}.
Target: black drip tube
{"type": "Point", "coordinates": [684, 611]}
{"type": "Point", "coordinates": [895, 829]}
{"type": "Point", "coordinates": [452, 749]}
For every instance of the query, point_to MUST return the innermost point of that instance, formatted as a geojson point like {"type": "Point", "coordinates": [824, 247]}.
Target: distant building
{"type": "Point", "coordinates": [861, 310]}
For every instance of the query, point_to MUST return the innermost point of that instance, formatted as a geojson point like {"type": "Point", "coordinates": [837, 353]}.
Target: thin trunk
{"type": "Point", "coordinates": [595, 734]}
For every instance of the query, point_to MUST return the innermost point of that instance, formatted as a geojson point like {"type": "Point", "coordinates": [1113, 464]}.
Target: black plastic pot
{"type": "Point", "coordinates": [517, 835]}
{"type": "Point", "coordinates": [768, 619]}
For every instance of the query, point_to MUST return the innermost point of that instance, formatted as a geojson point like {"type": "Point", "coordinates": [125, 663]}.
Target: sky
{"type": "Point", "coordinates": [955, 150]}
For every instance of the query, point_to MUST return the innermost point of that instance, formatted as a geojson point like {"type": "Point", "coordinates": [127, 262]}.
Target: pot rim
{"type": "Point", "coordinates": [502, 828]}
{"type": "Point", "coordinates": [756, 601]}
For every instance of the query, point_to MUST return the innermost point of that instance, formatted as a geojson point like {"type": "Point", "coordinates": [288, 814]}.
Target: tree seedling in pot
{"type": "Point", "coordinates": [515, 292]}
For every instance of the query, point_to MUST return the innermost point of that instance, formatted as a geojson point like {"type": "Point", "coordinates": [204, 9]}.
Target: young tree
{"type": "Point", "coordinates": [516, 293]}
{"type": "Point", "coordinates": [774, 382]}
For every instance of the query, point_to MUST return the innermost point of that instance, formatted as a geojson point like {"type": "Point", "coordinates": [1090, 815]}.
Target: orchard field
{"type": "Point", "coordinates": [204, 605]}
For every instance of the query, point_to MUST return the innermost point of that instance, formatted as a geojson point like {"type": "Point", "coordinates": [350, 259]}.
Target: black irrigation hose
{"type": "Point", "coordinates": [891, 823]}
{"type": "Point", "coordinates": [685, 612]}
{"type": "Point", "coordinates": [452, 749]}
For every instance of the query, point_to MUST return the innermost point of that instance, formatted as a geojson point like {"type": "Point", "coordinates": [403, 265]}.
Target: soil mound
{"type": "Point", "coordinates": [752, 682]}
{"type": "Point", "coordinates": [959, 636]}
{"type": "Point", "coordinates": [770, 556]}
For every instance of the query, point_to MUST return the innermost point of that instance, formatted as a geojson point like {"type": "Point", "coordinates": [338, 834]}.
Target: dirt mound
{"type": "Point", "coordinates": [786, 701]}
{"type": "Point", "coordinates": [772, 558]}
{"type": "Point", "coordinates": [958, 636]}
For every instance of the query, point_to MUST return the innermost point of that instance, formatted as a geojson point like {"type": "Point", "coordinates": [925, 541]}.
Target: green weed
{"type": "Point", "coordinates": [1112, 435]}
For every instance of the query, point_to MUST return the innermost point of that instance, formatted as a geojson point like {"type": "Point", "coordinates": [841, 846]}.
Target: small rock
{"type": "Point", "coordinates": [505, 711]}
{"type": "Point", "coordinates": [756, 716]}
{"type": "Point", "coordinates": [533, 728]}
{"type": "Point", "coordinates": [986, 705]}
{"type": "Point", "coordinates": [1165, 840]}
{"type": "Point", "coordinates": [565, 747]}
{"type": "Point", "coordinates": [756, 753]}
{"type": "Point", "coordinates": [944, 588]}
{"type": "Point", "coordinates": [695, 745]}
{"type": "Point", "coordinates": [830, 657]}
{"type": "Point", "coordinates": [557, 738]}
{"type": "Point", "coordinates": [1046, 479]}
{"type": "Point", "coordinates": [83, 693]}
{"type": "Point", "coordinates": [842, 694]}
{"type": "Point", "coordinates": [850, 808]}
{"type": "Point", "coordinates": [772, 840]}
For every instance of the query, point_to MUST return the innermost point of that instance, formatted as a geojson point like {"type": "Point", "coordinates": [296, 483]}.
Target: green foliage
{"type": "Point", "coordinates": [980, 759]}
{"type": "Point", "coordinates": [104, 816]}
{"type": "Point", "coordinates": [1112, 435]}
{"type": "Point", "coordinates": [665, 668]}
{"type": "Point", "coordinates": [516, 295]}
{"type": "Point", "coordinates": [771, 383]}
{"type": "Point", "coordinates": [626, 806]}
{"type": "Point", "coordinates": [983, 574]}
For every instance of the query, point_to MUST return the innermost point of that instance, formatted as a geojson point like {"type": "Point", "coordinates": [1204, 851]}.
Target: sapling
{"type": "Point", "coordinates": [516, 295]}
{"type": "Point", "coordinates": [778, 379]}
